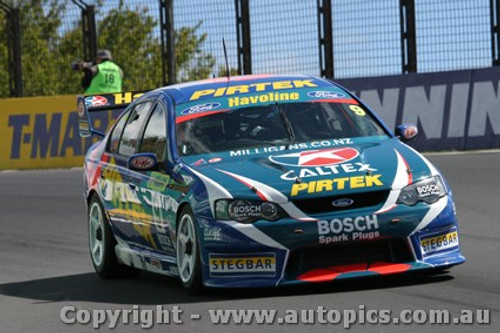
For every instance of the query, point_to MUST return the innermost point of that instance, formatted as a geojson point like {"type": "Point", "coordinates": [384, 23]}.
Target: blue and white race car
{"type": "Point", "coordinates": [260, 180]}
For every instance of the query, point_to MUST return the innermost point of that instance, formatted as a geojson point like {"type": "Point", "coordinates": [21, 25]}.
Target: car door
{"type": "Point", "coordinates": [153, 186]}
{"type": "Point", "coordinates": [121, 200]}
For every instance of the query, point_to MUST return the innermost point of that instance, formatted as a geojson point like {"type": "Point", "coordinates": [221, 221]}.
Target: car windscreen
{"type": "Point", "coordinates": [274, 124]}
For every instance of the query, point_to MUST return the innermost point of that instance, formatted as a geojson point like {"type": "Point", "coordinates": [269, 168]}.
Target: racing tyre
{"type": "Point", "coordinates": [102, 243]}
{"type": "Point", "coordinates": [188, 252]}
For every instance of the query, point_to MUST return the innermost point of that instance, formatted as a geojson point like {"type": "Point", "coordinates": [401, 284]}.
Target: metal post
{"type": "Point", "coordinates": [170, 42]}
{"type": "Point", "coordinates": [167, 35]}
{"type": "Point", "coordinates": [408, 36]}
{"type": "Point", "coordinates": [91, 45]}
{"type": "Point", "coordinates": [14, 50]}
{"type": "Point", "coordinates": [325, 38]}
{"type": "Point", "coordinates": [243, 36]}
{"type": "Point", "coordinates": [162, 40]}
{"type": "Point", "coordinates": [238, 35]}
{"type": "Point", "coordinates": [495, 31]}
{"type": "Point", "coordinates": [89, 30]}
{"type": "Point", "coordinates": [16, 65]}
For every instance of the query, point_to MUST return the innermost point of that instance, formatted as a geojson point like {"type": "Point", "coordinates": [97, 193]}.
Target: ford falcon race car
{"type": "Point", "coordinates": [260, 180]}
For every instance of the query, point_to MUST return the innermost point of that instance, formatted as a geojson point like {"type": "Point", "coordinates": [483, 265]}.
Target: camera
{"type": "Point", "coordinates": [80, 65]}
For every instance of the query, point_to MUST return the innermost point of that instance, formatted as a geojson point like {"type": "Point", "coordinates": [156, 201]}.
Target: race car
{"type": "Point", "coordinates": [257, 181]}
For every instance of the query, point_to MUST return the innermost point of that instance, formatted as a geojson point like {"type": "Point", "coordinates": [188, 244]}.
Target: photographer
{"type": "Point", "coordinates": [103, 77]}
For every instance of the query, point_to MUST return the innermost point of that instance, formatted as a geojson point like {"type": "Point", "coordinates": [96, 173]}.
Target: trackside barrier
{"type": "Point", "coordinates": [457, 110]}
{"type": "Point", "coordinates": [42, 132]}
{"type": "Point", "coordinates": [454, 111]}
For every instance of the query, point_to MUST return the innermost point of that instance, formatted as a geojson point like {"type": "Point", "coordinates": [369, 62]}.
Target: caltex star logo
{"type": "Point", "coordinates": [96, 101]}
{"type": "Point", "coordinates": [314, 158]}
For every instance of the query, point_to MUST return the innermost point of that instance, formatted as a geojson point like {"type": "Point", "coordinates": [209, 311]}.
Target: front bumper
{"type": "Point", "coordinates": [361, 244]}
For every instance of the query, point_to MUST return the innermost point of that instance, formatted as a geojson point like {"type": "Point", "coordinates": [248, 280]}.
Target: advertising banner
{"type": "Point", "coordinates": [42, 132]}
{"type": "Point", "coordinates": [457, 110]}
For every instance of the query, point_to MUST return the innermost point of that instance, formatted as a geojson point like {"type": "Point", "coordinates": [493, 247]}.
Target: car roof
{"type": "Point", "coordinates": [183, 92]}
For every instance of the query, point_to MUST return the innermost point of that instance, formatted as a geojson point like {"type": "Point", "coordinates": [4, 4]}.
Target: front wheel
{"type": "Point", "coordinates": [188, 252]}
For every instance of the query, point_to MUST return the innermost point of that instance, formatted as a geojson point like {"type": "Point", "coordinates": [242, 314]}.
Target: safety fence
{"type": "Point", "coordinates": [159, 42]}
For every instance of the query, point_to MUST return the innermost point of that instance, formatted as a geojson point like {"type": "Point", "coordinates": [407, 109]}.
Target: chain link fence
{"type": "Point", "coordinates": [210, 21]}
{"type": "Point", "coordinates": [284, 36]}
{"type": "Point", "coordinates": [453, 34]}
{"type": "Point", "coordinates": [280, 36]}
{"type": "Point", "coordinates": [366, 38]}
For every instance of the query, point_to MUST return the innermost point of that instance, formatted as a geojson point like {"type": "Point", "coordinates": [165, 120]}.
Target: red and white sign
{"type": "Point", "coordinates": [96, 101]}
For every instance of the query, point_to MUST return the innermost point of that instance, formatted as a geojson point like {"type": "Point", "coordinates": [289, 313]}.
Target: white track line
{"type": "Point", "coordinates": [463, 152]}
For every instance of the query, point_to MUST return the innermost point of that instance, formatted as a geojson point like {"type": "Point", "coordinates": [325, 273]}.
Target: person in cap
{"type": "Point", "coordinates": [103, 77]}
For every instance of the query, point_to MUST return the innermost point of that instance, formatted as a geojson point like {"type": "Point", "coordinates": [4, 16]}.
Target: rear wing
{"type": "Point", "coordinates": [103, 102]}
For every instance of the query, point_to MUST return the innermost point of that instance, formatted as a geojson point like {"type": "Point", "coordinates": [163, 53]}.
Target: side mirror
{"type": "Point", "coordinates": [83, 118]}
{"type": "Point", "coordinates": [143, 162]}
{"type": "Point", "coordinates": [406, 132]}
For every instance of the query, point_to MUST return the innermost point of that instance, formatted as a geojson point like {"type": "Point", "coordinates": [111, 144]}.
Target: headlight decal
{"type": "Point", "coordinates": [427, 190]}
{"type": "Point", "coordinates": [247, 211]}
{"type": "Point", "coordinates": [267, 193]}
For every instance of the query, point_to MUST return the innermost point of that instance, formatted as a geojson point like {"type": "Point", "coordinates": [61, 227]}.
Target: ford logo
{"type": "Point", "coordinates": [200, 108]}
{"type": "Point", "coordinates": [325, 94]}
{"type": "Point", "coordinates": [344, 202]}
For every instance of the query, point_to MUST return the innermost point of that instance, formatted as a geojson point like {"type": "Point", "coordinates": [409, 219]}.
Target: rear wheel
{"type": "Point", "coordinates": [188, 252]}
{"type": "Point", "coordinates": [102, 243]}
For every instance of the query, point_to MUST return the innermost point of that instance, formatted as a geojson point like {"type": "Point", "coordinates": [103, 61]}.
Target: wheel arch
{"type": "Point", "coordinates": [90, 195]}
{"type": "Point", "coordinates": [178, 213]}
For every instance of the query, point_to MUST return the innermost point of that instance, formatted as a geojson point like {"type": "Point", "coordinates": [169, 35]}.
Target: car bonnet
{"type": "Point", "coordinates": [309, 170]}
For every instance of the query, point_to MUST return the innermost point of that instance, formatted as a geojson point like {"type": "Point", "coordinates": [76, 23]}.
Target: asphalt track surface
{"type": "Point", "coordinates": [45, 265]}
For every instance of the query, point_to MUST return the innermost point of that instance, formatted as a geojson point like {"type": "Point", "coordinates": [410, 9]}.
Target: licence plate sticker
{"type": "Point", "coordinates": [434, 244]}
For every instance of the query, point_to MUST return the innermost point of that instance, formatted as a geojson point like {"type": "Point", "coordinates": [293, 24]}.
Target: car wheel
{"type": "Point", "coordinates": [188, 252]}
{"type": "Point", "coordinates": [102, 243]}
